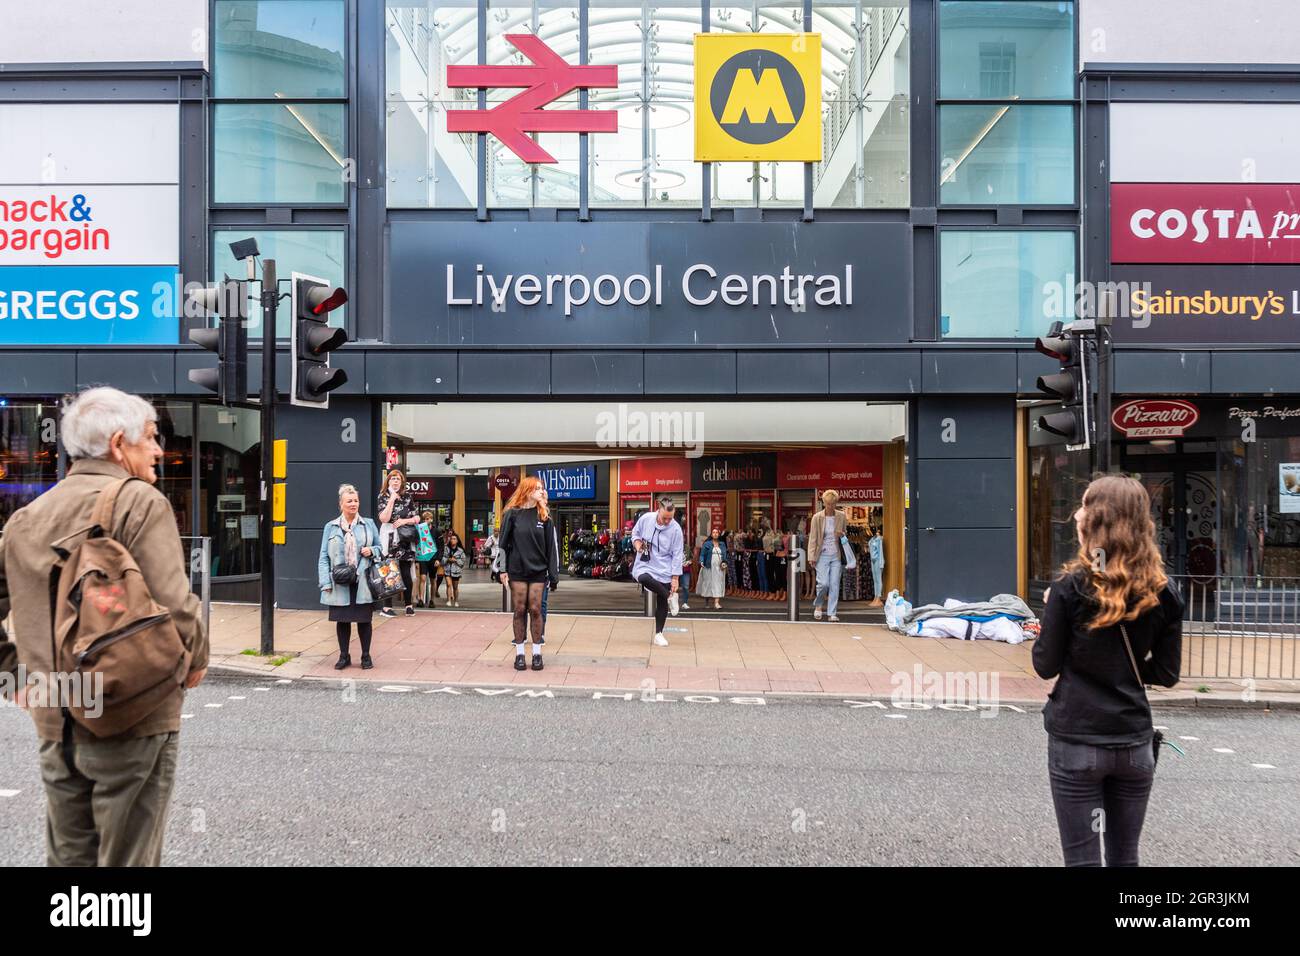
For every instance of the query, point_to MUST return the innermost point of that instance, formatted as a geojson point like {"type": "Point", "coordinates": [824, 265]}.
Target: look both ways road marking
{"type": "Point", "coordinates": [651, 695]}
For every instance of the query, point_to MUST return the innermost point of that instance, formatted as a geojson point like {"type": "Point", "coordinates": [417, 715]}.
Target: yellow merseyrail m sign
{"type": "Point", "coordinates": [758, 97]}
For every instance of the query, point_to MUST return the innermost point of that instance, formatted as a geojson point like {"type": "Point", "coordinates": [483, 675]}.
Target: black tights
{"type": "Point", "coordinates": [661, 590]}
{"type": "Point", "coordinates": [343, 631]}
{"type": "Point", "coordinates": [528, 607]}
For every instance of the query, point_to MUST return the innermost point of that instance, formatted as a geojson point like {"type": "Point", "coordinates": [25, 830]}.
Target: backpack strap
{"type": "Point", "coordinates": [104, 505]}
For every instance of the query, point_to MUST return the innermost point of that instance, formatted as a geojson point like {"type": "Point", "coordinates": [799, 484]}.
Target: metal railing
{"type": "Point", "coordinates": [1240, 626]}
{"type": "Point", "coordinates": [198, 557]}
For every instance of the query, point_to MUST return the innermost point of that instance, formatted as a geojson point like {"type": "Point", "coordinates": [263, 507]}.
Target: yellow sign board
{"type": "Point", "coordinates": [278, 501]}
{"type": "Point", "coordinates": [280, 458]}
{"type": "Point", "coordinates": [758, 97]}
{"type": "Point", "coordinates": [277, 535]}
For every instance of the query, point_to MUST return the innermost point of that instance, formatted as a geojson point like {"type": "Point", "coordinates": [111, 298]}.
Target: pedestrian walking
{"type": "Point", "coordinates": [1112, 625]}
{"type": "Point", "coordinates": [426, 561]}
{"type": "Point", "coordinates": [108, 778]}
{"type": "Point", "coordinates": [657, 567]}
{"type": "Point", "coordinates": [528, 559]}
{"type": "Point", "coordinates": [398, 535]}
{"type": "Point", "coordinates": [453, 565]}
{"type": "Point", "coordinates": [826, 539]}
{"type": "Point", "coordinates": [348, 547]}
{"type": "Point", "coordinates": [713, 570]}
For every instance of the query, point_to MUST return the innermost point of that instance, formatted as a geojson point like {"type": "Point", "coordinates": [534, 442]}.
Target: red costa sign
{"type": "Point", "coordinates": [1204, 222]}
{"type": "Point", "coordinates": [1154, 418]}
{"type": "Point", "coordinates": [548, 79]}
{"type": "Point", "coordinates": [654, 475]}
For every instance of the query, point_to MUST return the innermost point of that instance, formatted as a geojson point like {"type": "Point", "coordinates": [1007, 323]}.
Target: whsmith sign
{"type": "Point", "coordinates": [649, 283]}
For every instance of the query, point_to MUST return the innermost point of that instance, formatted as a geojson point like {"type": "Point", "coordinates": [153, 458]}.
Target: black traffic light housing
{"type": "Point", "coordinates": [1069, 386]}
{"type": "Point", "coordinates": [228, 379]}
{"type": "Point", "coordinates": [313, 339]}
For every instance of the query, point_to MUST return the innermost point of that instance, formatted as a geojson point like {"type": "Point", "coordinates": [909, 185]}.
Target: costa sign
{"type": "Point", "coordinates": [1154, 418]}
{"type": "Point", "coordinates": [1205, 223]}
{"type": "Point", "coordinates": [548, 79]}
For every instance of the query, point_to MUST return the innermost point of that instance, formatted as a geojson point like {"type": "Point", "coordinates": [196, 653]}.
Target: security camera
{"type": "Point", "coordinates": [447, 460]}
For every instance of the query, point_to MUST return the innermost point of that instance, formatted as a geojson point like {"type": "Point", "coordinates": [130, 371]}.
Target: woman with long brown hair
{"type": "Point", "coordinates": [398, 535]}
{"type": "Point", "coordinates": [528, 560]}
{"type": "Point", "coordinates": [1112, 625]}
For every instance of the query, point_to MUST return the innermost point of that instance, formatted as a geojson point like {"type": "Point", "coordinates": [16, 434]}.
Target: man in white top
{"type": "Point", "coordinates": [657, 539]}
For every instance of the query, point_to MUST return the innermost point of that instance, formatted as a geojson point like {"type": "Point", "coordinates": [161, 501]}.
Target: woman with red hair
{"type": "Point", "coordinates": [528, 560]}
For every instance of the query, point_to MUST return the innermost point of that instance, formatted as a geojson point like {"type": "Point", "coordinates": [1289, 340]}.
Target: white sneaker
{"type": "Point", "coordinates": [817, 614]}
{"type": "Point", "coordinates": [672, 604]}
{"type": "Point", "coordinates": [661, 640]}
{"type": "Point", "coordinates": [833, 619]}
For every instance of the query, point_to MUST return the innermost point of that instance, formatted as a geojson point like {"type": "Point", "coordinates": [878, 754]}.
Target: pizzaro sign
{"type": "Point", "coordinates": [1154, 418]}
{"type": "Point", "coordinates": [1204, 223]}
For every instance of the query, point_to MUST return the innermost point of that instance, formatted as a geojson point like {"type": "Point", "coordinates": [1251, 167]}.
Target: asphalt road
{"type": "Point", "coordinates": [308, 773]}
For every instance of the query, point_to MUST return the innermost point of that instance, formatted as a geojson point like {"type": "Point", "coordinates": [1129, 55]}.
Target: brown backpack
{"type": "Point", "coordinates": [107, 625]}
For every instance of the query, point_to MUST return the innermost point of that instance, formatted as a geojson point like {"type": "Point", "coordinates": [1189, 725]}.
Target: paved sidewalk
{"type": "Point", "coordinates": [469, 647]}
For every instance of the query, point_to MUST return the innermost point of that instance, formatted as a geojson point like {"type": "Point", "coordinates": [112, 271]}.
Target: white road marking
{"type": "Point", "coordinates": [9, 793]}
{"type": "Point", "coordinates": [395, 689]}
{"type": "Point", "coordinates": [261, 688]}
{"type": "Point", "coordinates": [211, 705]}
{"type": "Point", "coordinates": [1224, 750]}
{"type": "Point", "coordinates": [1160, 727]}
{"type": "Point", "coordinates": [236, 698]}
{"type": "Point", "coordinates": [186, 716]}
{"type": "Point", "coordinates": [1263, 766]}
{"type": "Point", "coordinates": [897, 716]}
{"type": "Point", "coordinates": [1185, 737]}
{"type": "Point", "coordinates": [284, 680]}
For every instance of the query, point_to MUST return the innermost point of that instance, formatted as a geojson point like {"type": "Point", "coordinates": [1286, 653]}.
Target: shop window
{"type": "Point", "coordinates": [1001, 283]}
{"type": "Point", "coordinates": [176, 470]}
{"type": "Point", "coordinates": [1010, 49]}
{"type": "Point", "coordinates": [279, 153]}
{"type": "Point", "coordinates": [1057, 480]}
{"type": "Point", "coordinates": [316, 252]}
{"type": "Point", "coordinates": [278, 48]}
{"type": "Point", "coordinates": [997, 154]}
{"type": "Point", "coordinates": [1259, 497]}
{"type": "Point", "coordinates": [229, 487]}
{"type": "Point", "coordinates": [29, 457]}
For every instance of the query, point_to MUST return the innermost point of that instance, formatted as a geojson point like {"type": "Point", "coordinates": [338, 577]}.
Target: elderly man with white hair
{"type": "Point", "coordinates": [106, 797]}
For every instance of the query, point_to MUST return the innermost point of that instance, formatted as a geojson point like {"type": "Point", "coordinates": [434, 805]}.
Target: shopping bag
{"type": "Point", "coordinates": [384, 578]}
{"type": "Point", "coordinates": [426, 548]}
{"type": "Point", "coordinates": [850, 559]}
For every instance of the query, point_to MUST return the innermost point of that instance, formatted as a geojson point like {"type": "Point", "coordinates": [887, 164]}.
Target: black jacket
{"type": "Point", "coordinates": [530, 546]}
{"type": "Point", "coordinates": [1097, 699]}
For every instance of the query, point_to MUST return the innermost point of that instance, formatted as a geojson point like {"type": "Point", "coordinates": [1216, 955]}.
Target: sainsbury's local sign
{"type": "Point", "coordinates": [89, 241]}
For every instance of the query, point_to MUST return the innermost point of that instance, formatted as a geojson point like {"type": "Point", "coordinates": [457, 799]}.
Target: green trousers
{"type": "Point", "coordinates": [113, 810]}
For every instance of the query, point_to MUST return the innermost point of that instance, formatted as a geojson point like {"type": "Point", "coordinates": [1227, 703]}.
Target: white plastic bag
{"type": "Point", "coordinates": [897, 611]}
{"type": "Point", "coordinates": [850, 559]}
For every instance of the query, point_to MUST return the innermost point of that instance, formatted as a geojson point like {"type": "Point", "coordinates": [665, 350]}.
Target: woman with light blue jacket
{"type": "Point", "coordinates": [348, 546]}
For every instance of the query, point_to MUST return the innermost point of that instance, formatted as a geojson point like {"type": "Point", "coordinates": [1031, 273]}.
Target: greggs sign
{"type": "Point", "coordinates": [1154, 418]}
{"type": "Point", "coordinates": [1205, 223]}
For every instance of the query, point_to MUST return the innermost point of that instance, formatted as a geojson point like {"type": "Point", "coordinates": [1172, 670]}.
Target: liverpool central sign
{"type": "Point", "coordinates": [546, 81]}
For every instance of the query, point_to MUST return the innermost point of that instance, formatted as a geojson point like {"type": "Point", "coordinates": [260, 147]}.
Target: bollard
{"type": "Point", "coordinates": [507, 599]}
{"type": "Point", "coordinates": [793, 565]}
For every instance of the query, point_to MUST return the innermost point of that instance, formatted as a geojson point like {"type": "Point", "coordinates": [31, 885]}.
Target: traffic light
{"type": "Point", "coordinates": [228, 301]}
{"type": "Point", "coordinates": [312, 341]}
{"type": "Point", "coordinates": [1069, 386]}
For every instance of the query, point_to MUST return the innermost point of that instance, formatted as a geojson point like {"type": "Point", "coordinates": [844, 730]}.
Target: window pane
{"type": "Point", "coordinates": [29, 460]}
{"type": "Point", "coordinates": [865, 132]}
{"type": "Point", "coordinates": [278, 48]}
{"type": "Point", "coordinates": [427, 166]}
{"type": "Point", "coordinates": [1001, 283]}
{"type": "Point", "coordinates": [229, 486]}
{"type": "Point", "coordinates": [175, 471]}
{"type": "Point", "coordinates": [1006, 154]}
{"type": "Point", "coordinates": [274, 153]}
{"type": "Point", "coordinates": [317, 252]}
{"type": "Point", "coordinates": [1006, 50]}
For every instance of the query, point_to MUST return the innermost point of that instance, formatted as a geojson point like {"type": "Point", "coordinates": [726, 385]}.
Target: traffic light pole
{"type": "Point", "coordinates": [1103, 399]}
{"type": "Point", "coordinates": [270, 301]}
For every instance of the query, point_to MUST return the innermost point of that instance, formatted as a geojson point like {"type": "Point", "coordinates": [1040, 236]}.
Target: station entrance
{"type": "Point", "coordinates": [754, 472]}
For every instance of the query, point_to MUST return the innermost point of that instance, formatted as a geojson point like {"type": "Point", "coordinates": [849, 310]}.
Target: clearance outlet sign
{"type": "Point", "coordinates": [758, 97]}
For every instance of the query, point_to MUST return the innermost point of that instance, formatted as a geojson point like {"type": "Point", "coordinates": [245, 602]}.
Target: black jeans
{"type": "Point", "coordinates": [1100, 795]}
{"type": "Point", "coordinates": [661, 590]}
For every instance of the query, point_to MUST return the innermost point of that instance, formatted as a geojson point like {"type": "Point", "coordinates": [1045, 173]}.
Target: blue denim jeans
{"type": "Point", "coordinates": [1100, 794]}
{"type": "Point", "coordinates": [829, 570]}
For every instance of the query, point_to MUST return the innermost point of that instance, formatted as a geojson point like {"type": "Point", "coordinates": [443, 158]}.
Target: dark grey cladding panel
{"type": "Point", "coordinates": [966, 493]}
{"type": "Point", "coordinates": [969, 564]}
{"type": "Point", "coordinates": [296, 562]}
{"type": "Point", "coordinates": [312, 495]}
{"type": "Point", "coordinates": [145, 373]}
{"type": "Point", "coordinates": [967, 370]}
{"type": "Point", "coordinates": [597, 373]}
{"type": "Point", "coordinates": [1266, 373]}
{"type": "Point", "coordinates": [340, 433]}
{"type": "Point", "coordinates": [689, 373]}
{"type": "Point", "coordinates": [1030, 365]}
{"type": "Point", "coordinates": [782, 373]}
{"type": "Point", "coordinates": [973, 427]}
{"type": "Point", "coordinates": [875, 373]}
{"type": "Point", "coordinates": [404, 373]}
{"type": "Point", "coordinates": [37, 373]}
{"type": "Point", "coordinates": [505, 373]}
{"type": "Point", "coordinates": [1160, 373]}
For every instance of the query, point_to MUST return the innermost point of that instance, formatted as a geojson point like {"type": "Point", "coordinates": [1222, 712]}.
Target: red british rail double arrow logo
{"type": "Point", "coordinates": [547, 79]}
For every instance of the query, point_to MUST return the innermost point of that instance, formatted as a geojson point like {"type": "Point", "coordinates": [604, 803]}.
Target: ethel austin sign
{"type": "Point", "coordinates": [543, 284]}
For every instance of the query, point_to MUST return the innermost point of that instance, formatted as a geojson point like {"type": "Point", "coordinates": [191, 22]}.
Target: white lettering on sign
{"type": "Point", "coordinates": [700, 286]}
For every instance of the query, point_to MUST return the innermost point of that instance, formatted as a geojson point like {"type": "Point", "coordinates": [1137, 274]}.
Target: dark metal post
{"type": "Point", "coordinates": [270, 298]}
{"type": "Point", "coordinates": [1105, 317]}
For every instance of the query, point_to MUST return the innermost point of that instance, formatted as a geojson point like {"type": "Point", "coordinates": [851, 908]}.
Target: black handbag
{"type": "Point", "coordinates": [344, 574]}
{"type": "Point", "coordinates": [408, 535]}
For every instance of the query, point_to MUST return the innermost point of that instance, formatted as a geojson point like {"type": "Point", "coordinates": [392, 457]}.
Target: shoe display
{"type": "Point", "coordinates": [345, 660]}
{"type": "Point", "coordinates": [537, 662]}
{"type": "Point", "coordinates": [366, 662]}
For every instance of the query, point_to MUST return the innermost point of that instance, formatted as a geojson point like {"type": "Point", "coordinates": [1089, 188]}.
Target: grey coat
{"type": "Point", "coordinates": [331, 553]}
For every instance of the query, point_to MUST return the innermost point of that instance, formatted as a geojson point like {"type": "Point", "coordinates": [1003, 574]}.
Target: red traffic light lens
{"type": "Point", "coordinates": [332, 302]}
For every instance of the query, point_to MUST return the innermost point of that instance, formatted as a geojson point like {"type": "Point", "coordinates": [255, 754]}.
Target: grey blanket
{"type": "Point", "coordinates": [1007, 604]}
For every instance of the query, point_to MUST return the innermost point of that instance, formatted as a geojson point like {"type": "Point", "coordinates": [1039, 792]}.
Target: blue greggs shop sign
{"type": "Point", "coordinates": [88, 305]}
{"type": "Point", "coordinates": [578, 481]}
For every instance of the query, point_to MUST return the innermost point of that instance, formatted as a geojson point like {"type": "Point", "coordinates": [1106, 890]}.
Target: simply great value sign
{"type": "Point", "coordinates": [758, 97]}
